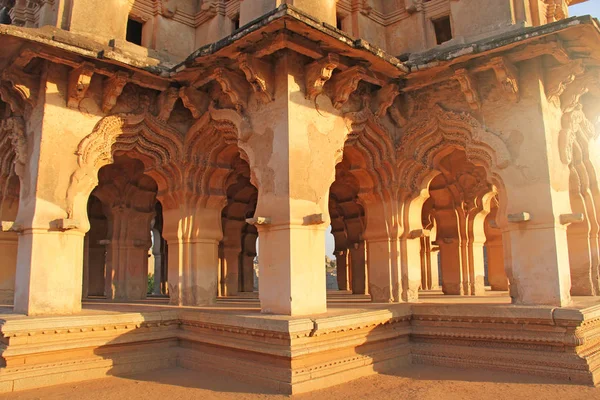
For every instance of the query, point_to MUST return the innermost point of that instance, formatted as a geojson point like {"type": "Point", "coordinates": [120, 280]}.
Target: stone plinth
{"type": "Point", "coordinates": [295, 355]}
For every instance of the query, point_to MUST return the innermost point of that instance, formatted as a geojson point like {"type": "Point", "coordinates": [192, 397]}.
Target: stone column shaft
{"type": "Point", "coordinates": [193, 234]}
{"type": "Point", "coordinates": [341, 260]}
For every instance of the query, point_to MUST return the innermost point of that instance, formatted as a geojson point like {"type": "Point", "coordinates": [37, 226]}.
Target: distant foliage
{"type": "Point", "coordinates": [150, 283]}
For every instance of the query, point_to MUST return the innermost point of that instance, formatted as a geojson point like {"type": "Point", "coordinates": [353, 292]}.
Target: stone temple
{"type": "Point", "coordinates": [451, 145]}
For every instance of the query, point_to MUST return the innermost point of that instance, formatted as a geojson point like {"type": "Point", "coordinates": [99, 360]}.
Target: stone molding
{"type": "Point", "coordinates": [430, 334]}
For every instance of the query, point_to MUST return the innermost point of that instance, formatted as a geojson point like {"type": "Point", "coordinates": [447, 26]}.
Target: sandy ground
{"type": "Point", "coordinates": [415, 382]}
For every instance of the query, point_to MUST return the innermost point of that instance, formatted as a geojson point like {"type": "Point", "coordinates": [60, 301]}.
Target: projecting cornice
{"type": "Point", "coordinates": [240, 62]}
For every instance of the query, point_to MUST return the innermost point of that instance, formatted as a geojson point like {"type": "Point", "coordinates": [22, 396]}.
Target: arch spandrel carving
{"type": "Point", "coordinates": [184, 166]}
{"type": "Point", "coordinates": [427, 134]}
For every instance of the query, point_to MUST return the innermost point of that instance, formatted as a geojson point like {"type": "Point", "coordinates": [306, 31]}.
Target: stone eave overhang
{"type": "Point", "coordinates": [577, 37]}
{"type": "Point", "coordinates": [565, 40]}
{"type": "Point", "coordinates": [311, 37]}
{"type": "Point", "coordinates": [20, 45]}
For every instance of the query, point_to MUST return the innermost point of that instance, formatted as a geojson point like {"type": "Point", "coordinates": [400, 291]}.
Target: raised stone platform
{"type": "Point", "coordinates": [294, 355]}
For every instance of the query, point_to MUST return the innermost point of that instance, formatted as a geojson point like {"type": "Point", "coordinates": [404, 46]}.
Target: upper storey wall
{"type": "Point", "coordinates": [178, 27]}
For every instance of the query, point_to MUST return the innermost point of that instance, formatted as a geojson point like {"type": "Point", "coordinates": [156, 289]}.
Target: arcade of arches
{"type": "Point", "coordinates": [183, 181]}
{"type": "Point", "coordinates": [137, 188]}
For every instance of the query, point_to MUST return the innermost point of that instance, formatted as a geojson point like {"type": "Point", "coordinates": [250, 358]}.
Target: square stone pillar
{"type": "Point", "coordinates": [8, 251]}
{"type": "Point", "coordinates": [193, 234]}
{"type": "Point", "coordinates": [358, 266]}
{"type": "Point", "coordinates": [495, 259]}
{"type": "Point", "coordinates": [379, 260]}
{"type": "Point", "coordinates": [231, 277]}
{"type": "Point", "coordinates": [535, 241]}
{"type": "Point", "coordinates": [127, 254]}
{"type": "Point", "coordinates": [293, 152]}
{"type": "Point", "coordinates": [50, 272]}
{"type": "Point", "coordinates": [476, 268]}
{"type": "Point", "coordinates": [247, 260]}
{"type": "Point", "coordinates": [341, 261]}
{"type": "Point", "coordinates": [452, 272]}
{"type": "Point", "coordinates": [410, 276]}
{"type": "Point", "coordinates": [434, 267]}
{"type": "Point", "coordinates": [49, 276]}
{"type": "Point", "coordinates": [292, 270]}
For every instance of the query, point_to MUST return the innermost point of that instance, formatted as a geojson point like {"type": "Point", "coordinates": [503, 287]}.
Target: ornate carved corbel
{"type": "Point", "coordinates": [7, 94]}
{"type": "Point", "coordinates": [318, 73]}
{"type": "Point", "coordinates": [344, 83]}
{"type": "Point", "coordinates": [113, 87]}
{"type": "Point", "coordinates": [468, 87]}
{"type": "Point", "coordinates": [365, 7]}
{"type": "Point", "coordinates": [15, 128]}
{"type": "Point", "coordinates": [384, 98]}
{"type": "Point", "coordinates": [168, 8]}
{"type": "Point", "coordinates": [166, 102]}
{"type": "Point", "coordinates": [569, 99]}
{"type": "Point", "coordinates": [573, 121]}
{"type": "Point", "coordinates": [194, 100]}
{"type": "Point", "coordinates": [507, 75]}
{"type": "Point", "coordinates": [412, 6]}
{"type": "Point", "coordinates": [234, 86]}
{"type": "Point", "coordinates": [559, 77]}
{"type": "Point", "coordinates": [79, 83]}
{"type": "Point", "coordinates": [259, 75]}
{"type": "Point", "coordinates": [24, 84]}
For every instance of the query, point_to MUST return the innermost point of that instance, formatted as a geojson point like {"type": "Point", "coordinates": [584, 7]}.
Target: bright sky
{"type": "Point", "coordinates": [591, 7]}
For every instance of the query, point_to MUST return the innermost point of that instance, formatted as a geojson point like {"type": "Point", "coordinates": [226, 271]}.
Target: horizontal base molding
{"type": "Point", "coordinates": [298, 355]}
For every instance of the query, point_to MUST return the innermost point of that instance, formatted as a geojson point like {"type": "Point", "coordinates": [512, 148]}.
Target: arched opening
{"type": "Point", "coordinates": [121, 210]}
{"type": "Point", "coordinates": [335, 280]}
{"type": "Point", "coordinates": [347, 227]}
{"type": "Point", "coordinates": [94, 256]}
{"type": "Point", "coordinates": [158, 256]}
{"type": "Point", "coordinates": [9, 207]}
{"type": "Point", "coordinates": [238, 247]}
{"type": "Point", "coordinates": [494, 251]}
{"type": "Point", "coordinates": [583, 231]}
{"type": "Point", "coordinates": [459, 218]}
{"type": "Point", "coordinates": [11, 127]}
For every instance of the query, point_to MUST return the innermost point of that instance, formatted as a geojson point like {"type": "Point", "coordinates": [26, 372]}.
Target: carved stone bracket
{"type": "Point", "coordinates": [234, 86]}
{"type": "Point", "coordinates": [574, 125]}
{"type": "Point", "coordinates": [166, 102]}
{"type": "Point", "coordinates": [384, 98]}
{"type": "Point", "coordinates": [79, 83]}
{"type": "Point", "coordinates": [507, 75]}
{"type": "Point", "coordinates": [559, 77]}
{"type": "Point", "coordinates": [468, 87]}
{"type": "Point", "coordinates": [24, 84]}
{"type": "Point", "coordinates": [7, 94]}
{"type": "Point", "coordinates": [14, 127]}
{"type": "Point", "coordinates": [113, 87]}
{"type": "Point", "coordinates": [318, 73]}
{"type": "Point", "coordinates": [168, 8]}
{"type": "Point", "coordinates": [194, 100]}
{"type": "Point", "coordinates": [259, 75]}
{"type": "Point", "coordinates": [344, 83]}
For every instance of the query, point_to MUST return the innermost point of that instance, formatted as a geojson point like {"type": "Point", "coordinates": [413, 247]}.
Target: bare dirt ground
{"type": "Point", "coordinates": [414, 382]}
